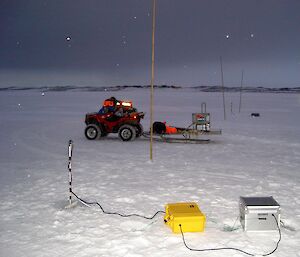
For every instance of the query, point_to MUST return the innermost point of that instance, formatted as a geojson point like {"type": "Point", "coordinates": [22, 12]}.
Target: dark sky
{"type": "Point", "coordinates": [108, 42]}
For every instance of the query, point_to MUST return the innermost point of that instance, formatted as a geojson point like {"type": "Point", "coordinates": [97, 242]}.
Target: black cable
{"type": "Point", "coordinates": [231, 248]}
{"type": "Point", "coordinates": [211, 249]}
{"type": "Point", "coordinates": [278, 240]}
{"type": "Point", "coordinates": [116, 213]}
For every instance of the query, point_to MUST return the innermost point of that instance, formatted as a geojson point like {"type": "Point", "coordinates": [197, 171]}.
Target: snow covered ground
{"type": "Point", "coordinates": [253, 157]}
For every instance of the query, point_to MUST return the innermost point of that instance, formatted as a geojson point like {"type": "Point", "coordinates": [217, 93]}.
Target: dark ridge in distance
{"type": "Point", "coordinates": [216, 88]}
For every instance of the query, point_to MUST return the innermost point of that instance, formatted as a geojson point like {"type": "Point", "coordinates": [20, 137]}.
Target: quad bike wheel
{"type": "Point", "coordinates": [127, 132]}
{"type": "Point", "coordinates": [92, 132]}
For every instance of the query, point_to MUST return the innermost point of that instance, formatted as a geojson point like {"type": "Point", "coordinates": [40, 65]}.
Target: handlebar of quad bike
{"type": "Point", "coordinates": [141, 115]}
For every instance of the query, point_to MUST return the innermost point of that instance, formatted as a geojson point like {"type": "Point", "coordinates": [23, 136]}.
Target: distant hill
{"type": "Point", "coordinates": [126, 87]}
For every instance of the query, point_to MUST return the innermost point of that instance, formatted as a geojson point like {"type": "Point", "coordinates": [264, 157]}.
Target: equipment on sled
{"type": "Point", "coordinates": [201, 120]}
{"type": "Point", "coordinates": [200, 126]}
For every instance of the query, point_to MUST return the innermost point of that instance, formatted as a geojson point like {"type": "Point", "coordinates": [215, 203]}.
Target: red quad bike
{"type": "Point", "coordinates": [114, 117]}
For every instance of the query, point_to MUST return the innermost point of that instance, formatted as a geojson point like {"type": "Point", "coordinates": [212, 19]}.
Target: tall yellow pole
{"type": "Point", "coordinates": [152, 79]}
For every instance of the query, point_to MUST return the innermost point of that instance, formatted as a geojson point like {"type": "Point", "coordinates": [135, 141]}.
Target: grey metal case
{"type": "Point", "coordinates": [259, 213]}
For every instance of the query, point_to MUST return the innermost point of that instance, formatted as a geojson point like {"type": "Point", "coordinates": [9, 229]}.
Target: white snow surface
{"type": "Point", "coordinates": [252, 157]}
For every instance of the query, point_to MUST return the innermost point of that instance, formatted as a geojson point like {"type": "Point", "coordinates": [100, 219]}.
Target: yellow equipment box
{"type": "Point", "coordinates": [187, 214]}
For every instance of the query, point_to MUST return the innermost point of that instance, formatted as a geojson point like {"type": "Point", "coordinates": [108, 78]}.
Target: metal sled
{"type": "Point", "coordinates": [200, 126]}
